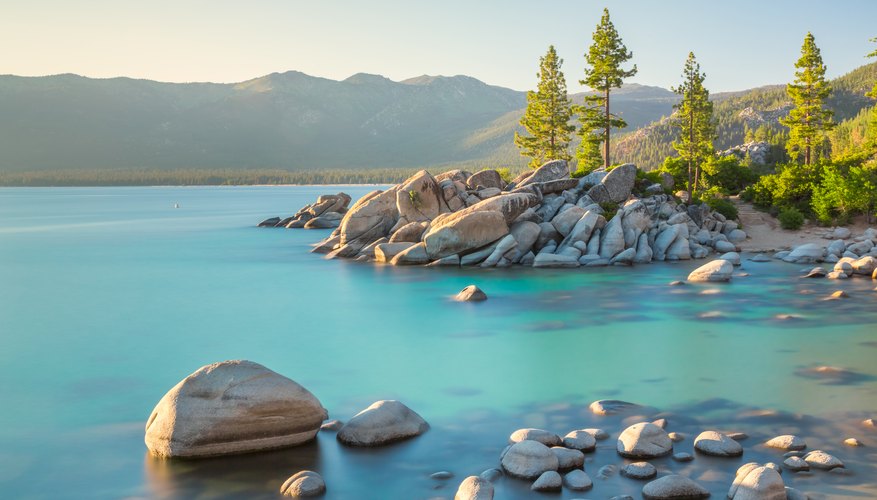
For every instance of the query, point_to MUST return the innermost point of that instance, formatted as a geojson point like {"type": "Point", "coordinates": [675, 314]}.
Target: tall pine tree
{"type": "Point", "coordinates": [694, 118]}
{"type": "Point", "coordinates": [588, 154]}
{"type": "Point", "coordinates": [809, 119]}
{"type": "Point", "coordinates": [603, 72]}
{"type": "Point", "coordinates": [547, 116]}
{"type": "Point", "coordinates": [873, 92]}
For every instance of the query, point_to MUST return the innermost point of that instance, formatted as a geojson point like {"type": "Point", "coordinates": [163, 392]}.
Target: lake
{"type": "Point", "coordinates": [110, 296]}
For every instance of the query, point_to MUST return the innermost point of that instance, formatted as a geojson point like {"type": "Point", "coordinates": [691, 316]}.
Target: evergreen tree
{"type": "Point", "coordinates": [588, 153]}
{"type": "Point", "coordinates": [694, 118]}
{"type": "Point", "coordinates": [873, 92]}
{"type": "Point", "coordinates": [809, 119]}
{"type": "Point", "coordinates": [603, 72]}
{"type": "Point", "coordinates": [547, 116]}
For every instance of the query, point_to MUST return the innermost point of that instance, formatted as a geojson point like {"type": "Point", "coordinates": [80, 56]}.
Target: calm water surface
{"type": "Point", "coordinates": [110, 296]}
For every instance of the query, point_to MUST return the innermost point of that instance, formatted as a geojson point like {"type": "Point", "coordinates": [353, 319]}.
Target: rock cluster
{"type": "Point", "coordinates": [757, 151]}
{"type": "Point", "coordinates": [543, 218]}
{"type": "Point", "coordinates": [325, 213]}
{"type": "Point", "coordinates": [850, 255]}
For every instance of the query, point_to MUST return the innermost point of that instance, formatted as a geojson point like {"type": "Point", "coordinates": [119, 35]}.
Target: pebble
{"type": "Point", "coordinates": [331, 425]}
{"type": "Point", "coordinates": [580, 440]}
{"type": "Point", "coordinates": [441, 475]}
{"type": "Point", "coordinates": [676, 436]}
{"type": "Point", "coordinates": [683, 457]}
{"type": "Point", "coordinates": [677, 283]}
{"type": "Point", "coordinates": [578, 480]}
{"type": "Point", "coordinates": [568, 459]}
{"type": "Point", "coordinates": [818, 459]}
{"type": "Point", "coordinates": [786, 442]}
{"type": "Point", "coordinates": [852, 442]}
{"type": "Point", "coordinates": [611, 406]}
{"type": "Point", "coordinates": [717, 444]}
{"type": "Point", "coordinates": [796, 464]}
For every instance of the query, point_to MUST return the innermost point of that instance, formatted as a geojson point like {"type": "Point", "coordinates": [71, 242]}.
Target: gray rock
{"type": "Point", "coordinates": [413, 255]}
{"type": "Point", "coordinates": [470, 294]}
{"type": "Point", "coordinates": [612, 407]}
{"type": "Point", "coordinates": [716, 271]}
{"type": "Point", "coordinates": [491, 475]}
{"type": "Point", "coordinates": [674, 487]}
{"type": "Point", "coordinates": [526, 234]}
{"type": "Point", "coordinates": [737, 236]}
{"type": "Point", "coordinates": [540, 435]}
{"type": "Point", "coordinates": [474, 488]}
{"type": "Point", "coordinates": [385, 252]}
{"type": "Point", "coordinates": [725, 246]}
{"type": "Point", "coordinates": [551, 171]}
{"type": "Point", "coordinates": [807, 253]}
{"type": "Point", "coordinates": [487, 178]}
{"type": "Point", "coordinates": [553, 260]}
{"type": "Point", "coordinates": [796, 464]}
{"type": "Point", "coordinates": [577, 480]}
{"type": "Point", "coordinates": [837, 248]}
{"type": "Point", "coordinates": [639, 470]}
{"type": "Point", "coordinates": [615, 186]}
{"type": "Point", "coordinates": [732, 257]}
{"type": "Point", "coordinates": [683, 457]}
{"type": "Point", "coordinates": [463, 231]}
{"type": "Point", "coordinates": [644, 440]}
{"type": "Point", "coordinates": [271, 222]}
{"type": "Point", "coordinates": [303, 484]}
{"type": "Point", "coordinates": [382, 423]}
{"type": "Point", "coordinates": [331, 425]}
{"type": "Point", "coordinates": [566, 220]}
{"type": "Point", "coordinates": [581, 440]}
{"type": "Point", "coordinates": [548, 481]}
{"type": "Point", "coordinates": [568, 459]}
{"type": "Point", "coordinates": [759, 258]}
{"type": "Point", "coordinates": [219, 410]}
{"type": "Point", "coordinates": [786, 442]}
{"type": "Point", "coordinates": [793, 494]}
{"type": "Point", "coordinates": [757, 483]}
{"type": "Point", "coordinates": [528, 460]}
{"type": "Point", "coordinates": [612, 238]}
{"type": "Point", "coordinates": [717, 444]}
{"type": "Point", "coordinates": [441, 475]}
{"type": "Point", "coordinates": [606, 471]}
{"type": "Point", "coordinates": [623, 258]}
{"type": "Point", "coordinates": [818, 459]}
{"type": "Point", "coordinates": [816, 272]}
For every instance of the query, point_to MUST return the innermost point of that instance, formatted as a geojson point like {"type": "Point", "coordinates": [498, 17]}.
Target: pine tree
{"type": "Point", "coordinates": [603, 73]}
{"type": "Point", "coordinates": [873, 92]}
{"type": "Point", "coordinates": [809, 119]}
{"type": "Point", "coordinates": [588, 154]}
{"type": "Point", "coordinates": [694, 118]}
{"type": "Point", "coordinates": [547, 116]}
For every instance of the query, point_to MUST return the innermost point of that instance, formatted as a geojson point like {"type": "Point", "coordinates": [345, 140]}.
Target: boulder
{"type": "Point", "coordinates": [303, 484]}
{"type": "Point", "coordinates": [474, 488]}
{"type": "Point", "coordinates": [807, 253]}
{"type": "Point", "coordinates": [470, 294]}
{"type": "Point", "coordinates": [757, 483]}
{"type": "Point", "coordinates": [413, 255]}
{"type": "Point", "coordinates": [510, 205]}
{"type": "Point", "coordinates": [577, 480]}
{"type": "Point", "coordinates": [836, 248]}
{"type": "Point", "coordinates": [385, 252]}
{"type": "Point", "coordinates": [528, 460]}
{"type": "Point", "coordinates": [272, 222]}
{"type": "Point", "coordinates": [540, 435]}
{"type": "Point", "coordinates": [551, 171]}
{"type": "Point", "coordinates": [566, 220]}
{"type": "Point", "coordinates": [411, 232]}
{"type": "Point", "coordinates": [232, 407]}
{"type": "Point", "coordinates": [717, 444]}
{"type": "Point", "coordinates": [487, 178]}
{"type": "Point", "coordinates": [581, 440]}
{"type": "Point", "coordinates": [732, 257]}
{"type": "Point", "coordinates": [381, 423]}
{"type": "Point", "coordinates": [464, 231]}
{"type": "Point", "coordinates": [623, 258]}
{"type": "Point", "coordinates": [786, 442]}
{"type": "Point", "coordinates": [612, 238]}
{"type": "Point", "coordinates": [545, 259]}
{"type": "Point", "coordinates": [548, 481]}
{"type": "Point", "coordinates": [674, 487]}
{"type": "Point", "coordinates": [615, 186]}
{"type": "Point", "coordinates": [864, 266]}
{"type": "Point", "coordinates": [557, 186]}
{"type": "Point", "coordinates": [724, 246]}
{"type": "Point", "coordinates": [716, 271]}
{"type": "Point", "coordinates": [371, 217]}
{"type": "Point", "coordinates": [818, 459]}
{"type": "Point", "coordinates": [639, 470]}
{"type": "Point", "coordinates": [796, 464]}
{"type": "Point", "coordinates": [568, 459]}
{"type": "Point", "coordinates": [644, 440]}
{"type": "Point", "coordinates": [419, 198]}
{"type": "Point", "coordinates": [526, 234]}
{"type": "Point", "coordinates": [584, 228]}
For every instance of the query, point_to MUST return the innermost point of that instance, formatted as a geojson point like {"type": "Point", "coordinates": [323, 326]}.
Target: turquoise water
{"type": "Point", "coordinates": [110, 296]}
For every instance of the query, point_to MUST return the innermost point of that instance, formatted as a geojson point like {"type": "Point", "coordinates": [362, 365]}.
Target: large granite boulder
{"type": "Point", "coordinates": [487, 178]}
{"type": "Point", "coordinates": [510, 205]}
{"type": "Point", "coordinates": [232, 407]}
{"type": "Point", "coordinates": [616, 186]}
{"type": "Point", "coordinates": [373, 215]}
{"type": "Point", "coordinates": [551, 171]}
{"type": "Point", "coordinates": [419, 198]}
{"type": "Point", "coordinates": [382, 423]}
{"type": "Point", "coordinates": [612, 237]}
{"type": "Point", "coordinates": [716, 271]}
{"type": "Point", "coordinates": [644, 441]}
{"type": "Point", "coordinates": [807, 253]}
{"type": "Point", "coordinates": [464, 231]}
{"type": "Point", "coordinates": [411, 232]}
{"type": "Point", "coordinates": [528, 459]}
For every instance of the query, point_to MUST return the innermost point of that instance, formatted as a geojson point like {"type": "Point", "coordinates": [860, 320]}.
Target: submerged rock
{"type": "Point", "coordinates": [474, 488]}
{"type": "Point", "coordinates": [716, 271]}
{"type": "Point", "coordinates": [382, 423]}
{"type": "Point", "coordinates": [470, 294]}
{"type": "Point", "coordinates": [672, 487]}
{"type": "Point", "coordinates": [577, 480]}
{"type": "Point", "coordinates": [611, 407]}
{"type": "Point", "coordinates": [541, 435]}
{"type": "Point", "coordinates": [232, 407]}
{"type": "Point", "coordinates": [548, 481]}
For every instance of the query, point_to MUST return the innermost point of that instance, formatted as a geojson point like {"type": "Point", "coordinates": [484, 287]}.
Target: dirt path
{"type": "Point", "coordinates": [765, 234]}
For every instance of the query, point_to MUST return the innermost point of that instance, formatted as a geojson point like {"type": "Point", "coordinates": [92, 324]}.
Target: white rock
{"type": "Point", "coordinates": [715, 271]}
{"type": "Point", "coordinates": [786, 442]}
{"type": "Point", "coordinates": [674, 487]}
{"type": "Point", "coordinates": [577, 480]}
{"type": "Point", "coordinates": [644, 440]}
{"type": "Point", "coordinates": [717, 444]}
{"type": "Point", "coordinates": [528, 460]}
{"type": "Point", "coordinates": [758, 483]}
{"type": "Point", "coordinates": [581, 440]}
{"type": "Point", "coordinates": [381, 423]}
{"type": "Point", "coordinates": [474, 488]}
{"type": "Point", "coordinates": [541, 435]}
{"type": "Point", "coordinates": [303, 484]}
{"type": "Point", "coordinates": [548, 481]}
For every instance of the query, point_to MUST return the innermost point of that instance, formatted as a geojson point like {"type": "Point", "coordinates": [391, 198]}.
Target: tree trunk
{"type": "Point", "coordinates": [608, 125]}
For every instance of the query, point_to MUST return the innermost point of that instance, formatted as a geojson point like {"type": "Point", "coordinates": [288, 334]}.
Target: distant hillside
{"type": "Point", "coordinates": [282, 120]}
{"type": "Point", "coordinates": [737, 111]}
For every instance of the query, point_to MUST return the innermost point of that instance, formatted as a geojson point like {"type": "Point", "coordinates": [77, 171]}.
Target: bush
{"type": "Point", "coordinates": [723, 206]}
{"type": "Point", "coordinates": [728, 174]}
{"type": "Point", "coordinates": [791, 218]}
{"type": "Point", "coordinates": [505, 174]}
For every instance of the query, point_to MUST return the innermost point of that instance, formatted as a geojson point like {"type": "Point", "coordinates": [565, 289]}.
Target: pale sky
{"type": "Point", "coordinates": [740, 44]}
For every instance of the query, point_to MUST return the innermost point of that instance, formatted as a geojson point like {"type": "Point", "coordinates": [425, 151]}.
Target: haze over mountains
{"type": "Point", "coordinates": [287, 120]}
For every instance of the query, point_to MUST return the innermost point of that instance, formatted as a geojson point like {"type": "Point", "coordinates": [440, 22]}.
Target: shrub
{"type": "Point", "coordinates": [791, 218]}
{"type": "Point", "coordinates": [723, 206]}
{"type": "Point", "coordinates": [505, 174]}
{"type": "Point", "coordinates": [609, 209]}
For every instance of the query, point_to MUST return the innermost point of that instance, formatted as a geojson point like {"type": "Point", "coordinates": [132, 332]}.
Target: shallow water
{"type": "Point", "coordinates": [109, 296]}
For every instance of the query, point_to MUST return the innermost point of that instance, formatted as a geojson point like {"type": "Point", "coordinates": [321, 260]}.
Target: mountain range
{"type": "Point", "coordinates": [299, 122]}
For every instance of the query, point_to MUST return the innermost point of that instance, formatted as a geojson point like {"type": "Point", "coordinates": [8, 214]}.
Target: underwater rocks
{"type": "Point", "coordinates": [232, 407]}
{"type": "Point", "coordinates": [543, 218]}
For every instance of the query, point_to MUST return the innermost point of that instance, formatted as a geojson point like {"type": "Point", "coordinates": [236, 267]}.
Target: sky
{"type": "Point", "coordinates": [739, 44]}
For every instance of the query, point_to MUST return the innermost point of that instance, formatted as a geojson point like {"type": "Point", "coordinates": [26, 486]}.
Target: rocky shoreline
{"type": "Point", "coordinates": [543, 218]}
{"type": "Point", "coordinates": [221, 408]}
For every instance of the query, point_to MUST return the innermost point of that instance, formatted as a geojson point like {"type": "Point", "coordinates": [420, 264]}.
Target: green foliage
{"type": "Point", "coordinates": [676, 167]}
{"type": "Point", "coordinates": [505, 174]}
{"type": "Point", "coordinates": [721, 205]}
{"type": "Point", "coordinates": [845, 190]}
{"type": "Point", "coordinates": [873, 92]}
{"type": "Point", "coordinates": [414, 198]}
{"type": "Point", "coordinates": [791, 187]}
{"type": "Point", "coordinates": [694, 119]}
{"type": "Point", "coordinates": [603, 72]}
{"type": "Point", "coordinates": [609, 209]}
{"type": "Point", "coordinates": [589, 154]}
{"type": "Point", "coordinates": [791, 218]}
{"type": "Point", "coordinates": [728, 174]}
{"type": "Point", "coordinates": [809, 119]}
{"type": "Point", "coordinates": [547, 115]}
